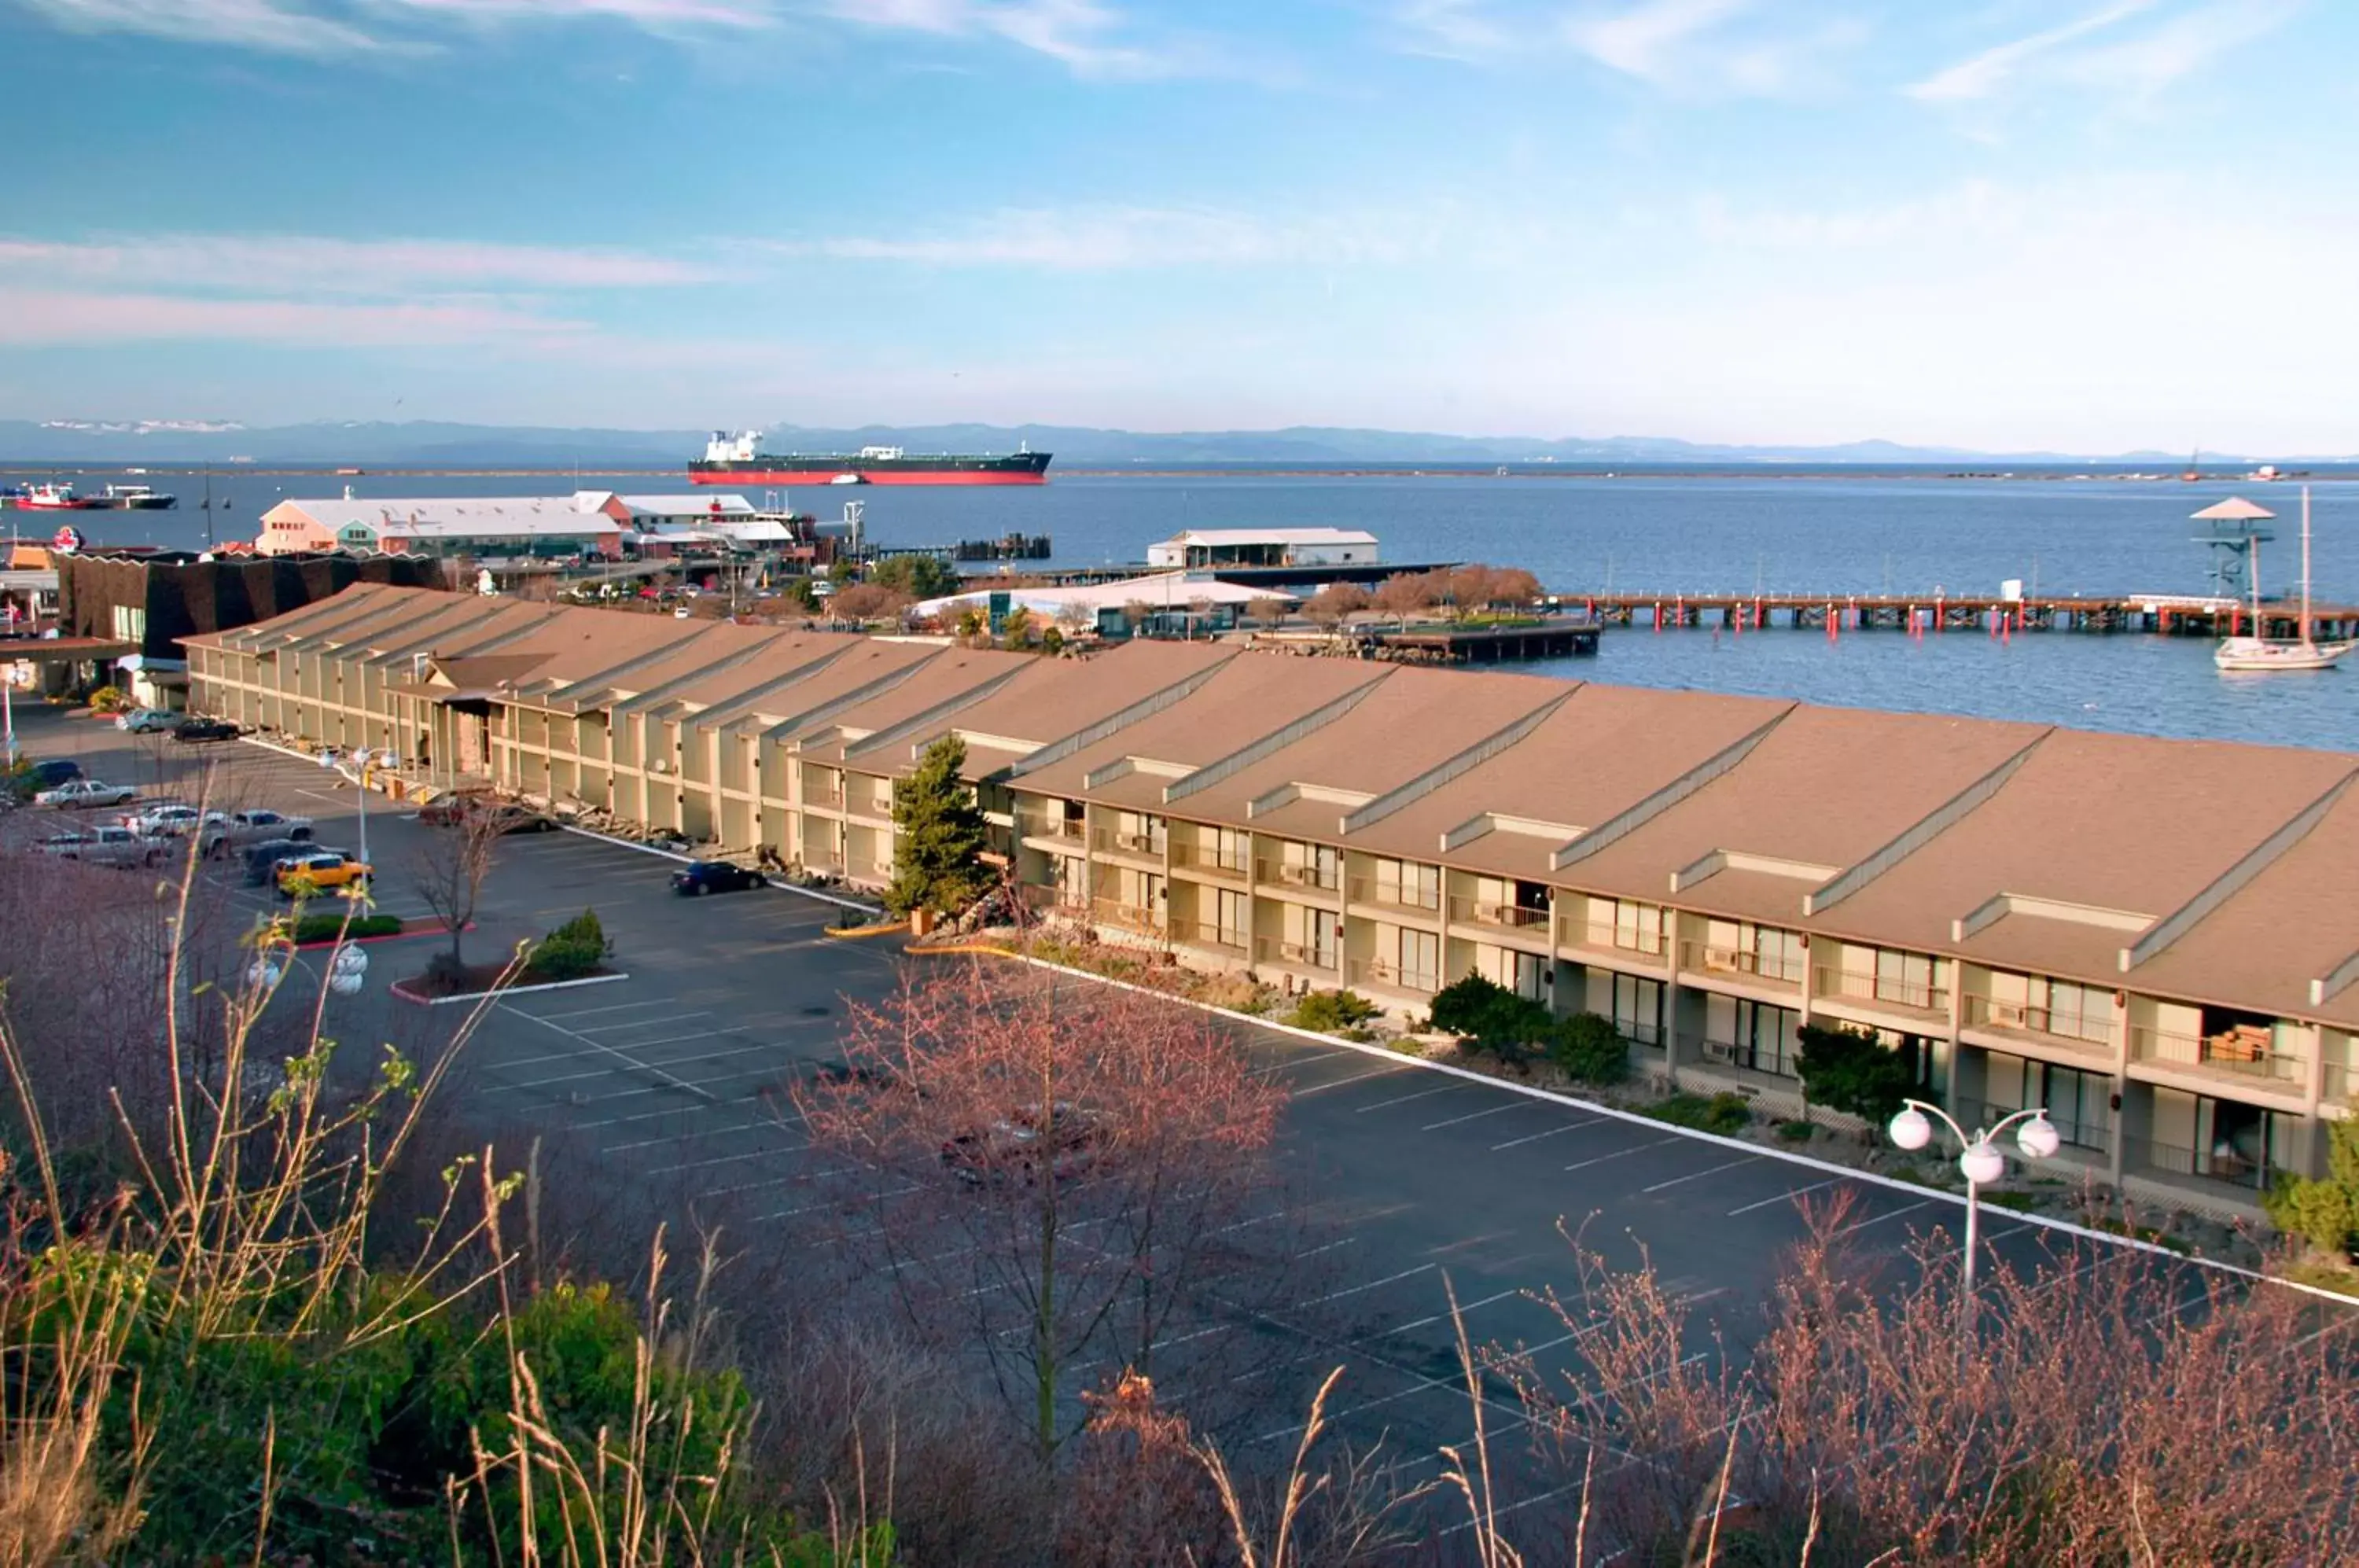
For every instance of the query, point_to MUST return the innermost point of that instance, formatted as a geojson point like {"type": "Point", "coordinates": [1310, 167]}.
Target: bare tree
{"type": "Point", "coordinates": [1266, 612]}
{"type": "Point", "coordinates": [1043, 1171]}
{"type": "Point", "coordinates": [868, 601]}
{"type": "Point", "coordinates": [1405, 593]}
{"type": "Point", "coordinates": [450, 868]}
{"type": "Point", "coordinates": [1332, 604]}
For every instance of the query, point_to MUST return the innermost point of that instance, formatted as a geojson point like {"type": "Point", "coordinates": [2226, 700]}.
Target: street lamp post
{"type": "Point", "coordinates": [1979, 1159]}
{"type": "Point", "coordinates": [362, 756]}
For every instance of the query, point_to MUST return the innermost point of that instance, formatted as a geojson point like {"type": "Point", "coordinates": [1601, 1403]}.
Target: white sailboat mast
{"type": "Point", "coordinates": [2305, 566]}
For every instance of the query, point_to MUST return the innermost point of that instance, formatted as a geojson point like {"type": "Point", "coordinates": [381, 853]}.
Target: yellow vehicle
{"type": "Point", "coordinates": [322, 871]}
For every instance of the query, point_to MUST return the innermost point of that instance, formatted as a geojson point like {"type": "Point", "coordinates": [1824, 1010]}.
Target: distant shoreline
{"type": "Point", "coordinates": [18, 470]}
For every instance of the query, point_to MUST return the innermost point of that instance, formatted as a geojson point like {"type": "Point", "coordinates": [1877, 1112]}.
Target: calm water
{"type": "Point", "coordinates": [1671, 534]}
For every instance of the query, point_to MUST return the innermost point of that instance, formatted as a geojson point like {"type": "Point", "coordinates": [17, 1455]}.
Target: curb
{"type": "Point", "coordinates": [861, 933]}
{"type": "Point", "coordinates": [687, 859]}
{"type": "Point", "coordinates": [1805, 1161]}
{"type": "Point", "coordinates": [417, 1001]}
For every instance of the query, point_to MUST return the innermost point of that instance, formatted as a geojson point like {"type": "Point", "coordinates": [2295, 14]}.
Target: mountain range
{"type": "Point", "coordinates": [428, 443]}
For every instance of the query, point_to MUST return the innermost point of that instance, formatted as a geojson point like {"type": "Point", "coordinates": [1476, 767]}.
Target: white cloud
{"type": "Point", "coordinates": [318, 265]}
{"type": "Point", "coordinates": [1653, 40]}
{"type": "Point", "coordinates": [1124, 238]}
{"type": "Point", "coordinates": [269, 25]}
{"type": "Point", "coordinates": [48, 317]}
{"type": "Point", "coordinates": [2106, 51]}
{"type": "Point", "coordinates": [1689, 49]}
{"type": "Point", "coordinates": [1087, 37]}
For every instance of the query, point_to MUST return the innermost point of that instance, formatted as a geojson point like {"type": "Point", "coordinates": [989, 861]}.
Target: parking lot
{"type": "Point", "coordinates": [1400, 1183]}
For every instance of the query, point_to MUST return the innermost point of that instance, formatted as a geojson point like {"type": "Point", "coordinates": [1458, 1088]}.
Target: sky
{"type": "Point", "coordinates": [2083, 225]}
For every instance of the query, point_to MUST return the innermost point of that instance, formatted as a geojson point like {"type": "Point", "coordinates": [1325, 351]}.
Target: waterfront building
{"type": "Point", "coordinates": [2154, 939]}
{"type": "Point", "coordinates": [1204, 548]}
{"type": "Point", "coordinates": [588, 522]}
{"type": "Point", "coordinates": [1168, 601]}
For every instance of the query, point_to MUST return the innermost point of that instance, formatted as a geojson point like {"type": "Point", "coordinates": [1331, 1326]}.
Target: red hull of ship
{"type": "Point", "coordinates": [827, 477]}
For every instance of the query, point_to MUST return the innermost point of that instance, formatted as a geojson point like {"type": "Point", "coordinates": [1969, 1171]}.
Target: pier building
{"type": "Point", "coordinates": [2153, 938]}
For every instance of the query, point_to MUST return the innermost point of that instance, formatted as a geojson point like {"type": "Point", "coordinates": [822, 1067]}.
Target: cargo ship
{"type": "Point", "coordinates": [739, 459]}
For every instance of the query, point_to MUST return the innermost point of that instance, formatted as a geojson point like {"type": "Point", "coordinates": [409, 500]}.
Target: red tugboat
{"type": "Point", "coordinates": [739, 459]}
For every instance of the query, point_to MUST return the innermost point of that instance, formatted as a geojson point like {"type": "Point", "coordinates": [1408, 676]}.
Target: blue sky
{"type": "Point", "coordinates": [2088, 224]}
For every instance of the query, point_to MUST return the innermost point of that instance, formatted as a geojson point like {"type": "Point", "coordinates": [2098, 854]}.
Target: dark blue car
{"type": "Point", "coordinates": [49, 774]}
{"type": "Point", "coordinates": [698, 877]}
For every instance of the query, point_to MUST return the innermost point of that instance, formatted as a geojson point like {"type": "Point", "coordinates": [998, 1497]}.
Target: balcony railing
{"type": "Point", "coordinates": [2340, 1082]}
{"type": "Point", "coordinates": [1127, 842]}
{"type": "Point", "coordinates": [2097, 1136]}
{"type": "Point", "coordinates": [1219, 939]}
{"type": "Point", "coordinates": [1209, 858]}
{"type": "Point", "coordinates": [866, 870]}
{"type": "Point", "coordinates": [2076, 1028]}
{"type": "Point", "coordinates": [2247, 1054]}
{"type": "Point", "coordinates": [1125, 917]}
{"type": "Point", "coordinates": [1272, 950]}
{"type": "Point", "coordinates": [1752, 1057]}
{"type": "Point", "coordinates": [1291, 874]}
{"type": "Point", "coordinates": [1491, 912]}
{"type": "Point", "coordinates": [816, 792]}
{"type": "Point", "coordinates": [1704, 958]}
{"type": "Point", "coordinates": [1393, 896]}
{"type": "Point", "coordinates": [1384, 972]}
{"type": "Point", "coordinates": [1607, 937]}
{"type": "Point", "coordinates": [1055, 827]}
{"type": "Point", "coordinates": [1842, 984]}
{"type": "Point", "coordinates": [2226, 1167]}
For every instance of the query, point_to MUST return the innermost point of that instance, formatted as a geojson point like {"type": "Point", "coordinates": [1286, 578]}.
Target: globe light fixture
{"type": "Point", "coordinates": [266, 973]}
{"type": "Point", "coordinates": [1980, 1160]}
{"type": "Point", "coordinates": [349, 972]}
{"type": "Point", "coordinates": [1911, 1131]}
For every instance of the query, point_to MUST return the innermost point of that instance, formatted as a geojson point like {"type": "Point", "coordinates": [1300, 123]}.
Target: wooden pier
{"type": "Point", "coordinates": [1560, 637]}
{"type": "Point", "coordinates": [1921, 613]}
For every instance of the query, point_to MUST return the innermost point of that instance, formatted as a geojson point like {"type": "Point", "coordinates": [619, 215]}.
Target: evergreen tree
{"type": "Point", "coordinates": [937, 848]}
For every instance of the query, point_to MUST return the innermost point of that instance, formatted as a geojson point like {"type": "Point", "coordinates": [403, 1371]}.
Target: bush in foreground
{"type": "Point", "coordinates": [573, 951]}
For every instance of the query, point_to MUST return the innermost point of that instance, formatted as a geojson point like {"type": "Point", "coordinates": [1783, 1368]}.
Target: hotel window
{"type": "Point", "coordinates": [2077, 1012]}
{"type": "Point", "coordinates": [1639, 1008]}
{"type": "Point", "coordinates": [130, 622]}
{"type": "Point", "coordinates": [2079, 1103]}
{"type": "Point", "coordinates": [1746, 1033]}
{"type": "Point", "coordinates": [1637, 928]}
{"type": "Point", "coordinates": [1420, 960]}
{"type": "Point", "coordinates": [1231, 917]}
{"type": "Point", "coordinates": [1778, 954]}
{"type": "Point", "coordinates": [1406, 884]}
{"type": "Point", "coordinates": [1911, 979]}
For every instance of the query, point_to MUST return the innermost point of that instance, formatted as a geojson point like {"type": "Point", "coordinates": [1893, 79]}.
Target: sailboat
{"type": "Point", "coordinates": [2260, 653]}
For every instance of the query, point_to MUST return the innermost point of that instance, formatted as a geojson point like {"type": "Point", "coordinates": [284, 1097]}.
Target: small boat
{"type": "Point", "coordinates": [52, 498]}
{"type": "Point", "coordinates": [849, 479]}
{"type": "Point", "coordinates": [2246, 655]}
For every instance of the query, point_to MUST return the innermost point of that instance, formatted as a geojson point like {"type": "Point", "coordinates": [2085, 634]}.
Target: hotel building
{"type": "Point", "coordinates": [2157, 939]}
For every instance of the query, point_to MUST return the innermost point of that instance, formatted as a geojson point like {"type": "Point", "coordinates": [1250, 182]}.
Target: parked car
{"type": "Point", "coordinates": [169, 819]}
{"type": "Point", "coordinates": [322, 871]}
{"type": "Point", "coordinates": [147, 721]}
{"type": "Point", "coordinates": [49, 774]}
{"type": "Point", "coordinates": [82, 793]}
{"type": "Point", "coordinates": [1014, 1147]}
{"type": "Point", "coordinates": [105, 846]}
{"type": "Point", "coordinates": [262, 859]}
{"type": "Point", "coordinates": [698, 877]}
{"type": "Point", "coordinates": [205, 729]}
{"type": "Point", "coordinates": [509, 816]}
{"type": "Point", "coordinates": [225, 834]}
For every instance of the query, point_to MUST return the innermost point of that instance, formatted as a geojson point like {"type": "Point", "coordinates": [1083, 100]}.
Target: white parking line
{"type": "Point", "coordinates": [1535, 1138]}
{"type": "Point", "coordinates": [645, 1023]}
{"type": "Point", "coordinates": [1355, 1078]}
{"type": "Point", "coordinates": [725, 1159]}
{"type": "Point", "coordinates": [610, 1008]}
{"type": "Point", "coordinates": [1371, 1285]}
{"type": "Point", "coordinates": [1475, 1116]}
{"type": "Point", "coordinates": [1879, 1219]}
{"type": "Point", "coordinates": [1786, 1197]}
{"type": "Point", "coordinates": [1707, 1170]}
{"type": "Point", "coordinates": [1297, 1062]}
{"type": "Point", "coordinates": [608, 1072]}
{"type": "Point", "coordinates": [1463, 1308]}
{"type": "Point", "coordinates": [1634, 1148]}
{"type": "Point", "coordinates": [1405, 1099]}
{"type": "Point", "coordinates": [680, 1084]}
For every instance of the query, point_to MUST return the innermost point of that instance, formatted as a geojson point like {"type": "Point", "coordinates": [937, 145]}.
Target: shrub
{"type": "Point", "coordinates": [1852, 1071]}
{"type": "Point", "coordinates": [109, 699]}
{"type": "Point", "coordinates": [1495, 1017]}
{"type": "Point", "coordinates": [1725, 1113]}
{"type": "Point", "coordinates": [2323, 1211]}
{"type": "Point", "coordinates": [327, 928]}
{"type": "Point", "coordinates": [573, 950]}
{"type": "Point", "coordinates": [1795, 1132]}
{"type": "Point", "coordinates": [1332, 1012]}
{"type": "Point", "coordinates": [1591, 1049]}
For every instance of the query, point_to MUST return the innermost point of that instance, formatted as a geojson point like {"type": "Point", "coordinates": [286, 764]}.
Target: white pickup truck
{"type": "Point", "coordinates": [222, 833]}
{"type": "Point", "coordinates": [105, 846]}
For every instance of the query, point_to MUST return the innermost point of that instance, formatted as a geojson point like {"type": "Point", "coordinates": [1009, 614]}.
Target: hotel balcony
{"type": "Point", "coordinates": [1140, 846]}
{"type": "Point", "coordinates": [2338, 1082]}
{"type": "Point", "coordinates": [1323, 880]}
{"type": "Point", "coordinates": [1125, 916]}
{"type": "Point", "coordinates": [1609, 947]}
{"type": "Point", "coordinates": [1907, 1005]}
{"type": "Point", "coordinates": [1744, 968]}
{"type": "Point", "coordinates": [1394, 898]}
{"type": "Point", "coordinates": [861, 869]}
{"type": "Point", "coordinates": [2083, 1142]}
{"type": "Point", "coordinates": [1294, 955]}
{"type": "Point", "coordinates": [2221, 1173]}
{"type": "Point", "coordinates": [2015, 1025]}
{"type": "Point", "coordinates": [1511, 920]}
{"type": "Point", "coordinates": [1383, 974]}
{"type": "Point", "coordinates": [1056, 830]}
{"type": "Point", "coordinates": [1207, 938]}
{"type": "Point", "coordinates": [2244, 1057]}
{"type": "Point", "coordinates": [1210, 862]}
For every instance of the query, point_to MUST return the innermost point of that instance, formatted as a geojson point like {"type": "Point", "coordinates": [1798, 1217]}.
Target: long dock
{"type": "Point", "coordinates": [2152, 615]}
